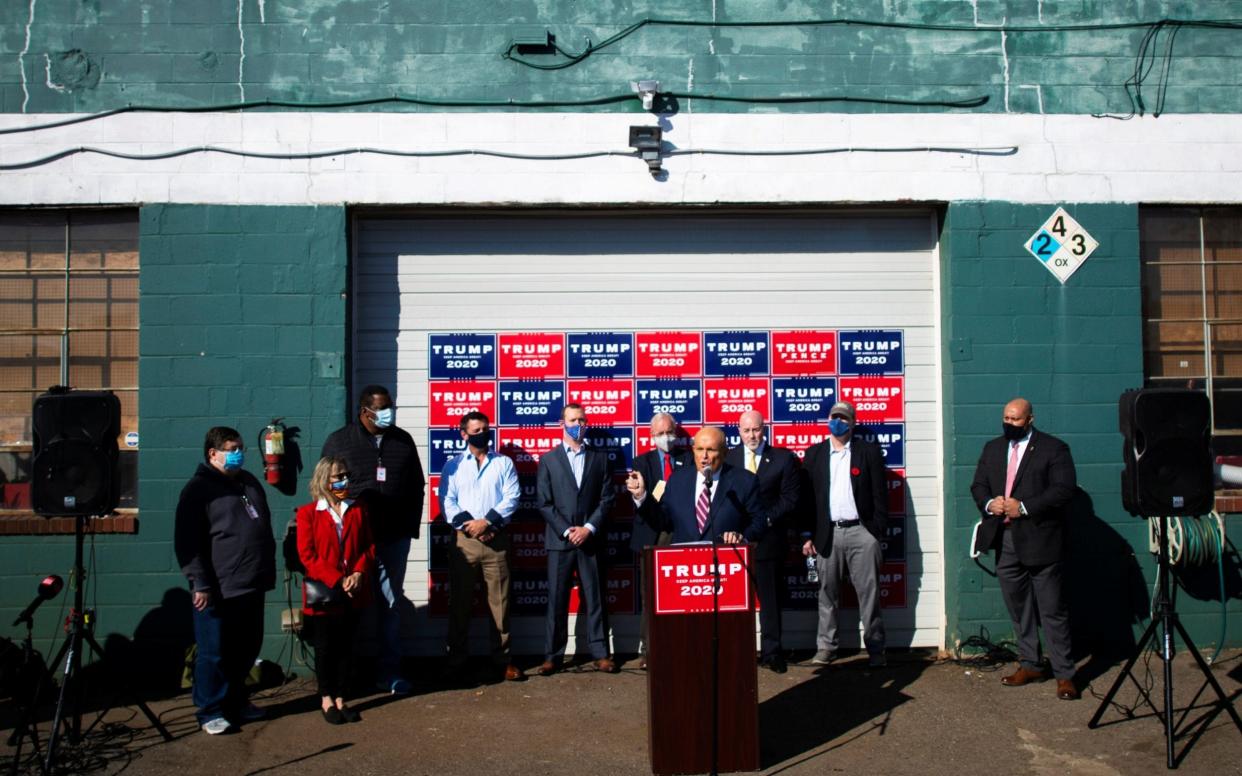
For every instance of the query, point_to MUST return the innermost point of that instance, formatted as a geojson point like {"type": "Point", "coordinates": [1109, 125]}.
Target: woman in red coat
{"type": "Point", "coordinates": [334, 543]}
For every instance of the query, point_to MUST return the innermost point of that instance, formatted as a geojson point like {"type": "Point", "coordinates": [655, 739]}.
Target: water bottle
{"type": "Point", "coordinates": [812, 571]}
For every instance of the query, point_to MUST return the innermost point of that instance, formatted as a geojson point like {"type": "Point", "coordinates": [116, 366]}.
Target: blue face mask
{"type": "Point", "coordinates": [233, 460]}
{"type": "Point", "coordinates": [575, 432]}
{"type": "Point", "coordinates": [383, 418]}
{"type": "Point", "coordinates": [838, 427]}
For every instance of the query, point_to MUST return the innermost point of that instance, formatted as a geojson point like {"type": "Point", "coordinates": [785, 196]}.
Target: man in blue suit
{"type": "Point", "coordinates": [710, 501]}
{"type": "Point", "coordinates": [574, 493]}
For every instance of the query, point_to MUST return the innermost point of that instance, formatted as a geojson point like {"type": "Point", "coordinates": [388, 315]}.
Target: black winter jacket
{"type": "Point", "coordinates": [395, 506]}
{"type": "Point", "coordinates": [220, 547]}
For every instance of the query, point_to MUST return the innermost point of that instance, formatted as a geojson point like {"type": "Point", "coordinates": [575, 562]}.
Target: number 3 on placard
{"type": "Point", "coordinates": [1080, 245]}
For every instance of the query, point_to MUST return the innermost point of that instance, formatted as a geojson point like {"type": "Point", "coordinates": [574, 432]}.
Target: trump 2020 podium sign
{"type": "Point", "coordinates": [687, 576]}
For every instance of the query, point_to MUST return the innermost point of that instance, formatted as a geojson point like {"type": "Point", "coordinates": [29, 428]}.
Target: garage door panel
{"type": "Point", "coordinates": [541, 271]}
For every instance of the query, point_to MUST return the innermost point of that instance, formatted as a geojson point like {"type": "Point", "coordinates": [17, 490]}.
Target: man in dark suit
{"type": "Point", "coordinates": [851, 515]}
{"type": "Point", "coordinates": [779, 486]}
{"type": "Point", "coordinates": [655, 466]}
{"type": "Point", "coordinates": [1024, 480]}
{"type": "Point", "coordinates": [710, 501]}
{"type": "Point", "coordinates": [574, 492]}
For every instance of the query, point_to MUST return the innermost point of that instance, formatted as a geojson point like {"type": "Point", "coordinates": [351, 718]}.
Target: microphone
{"type": "Point", "coordinates": [49, 588]}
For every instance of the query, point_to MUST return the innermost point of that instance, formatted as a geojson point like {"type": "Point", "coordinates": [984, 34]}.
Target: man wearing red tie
{"type": "Point", "coordinates": [1023, 482]}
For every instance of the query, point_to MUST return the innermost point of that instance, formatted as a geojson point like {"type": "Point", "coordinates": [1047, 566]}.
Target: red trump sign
{"type": "Point", "coordinates": [688, 579]}
{"type": "Point", "coordinates": [668, 354]}
{"type": "Point", "coordinates": [804, 353]}
{"type": "Point", "coordinates": [534, 355]}
{"type": "Point", "coordinates": [605, 402]}
{"type": "Point", "coordinates": [448, 401]}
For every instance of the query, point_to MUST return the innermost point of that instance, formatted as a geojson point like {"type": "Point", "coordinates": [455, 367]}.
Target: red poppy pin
{"type": "Point", "coordinates": [855, 471]}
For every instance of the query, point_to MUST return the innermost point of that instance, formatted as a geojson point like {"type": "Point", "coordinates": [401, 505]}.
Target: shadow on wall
{"type": "Point", "coordinates": [1104, 584]}
{"type": "Point", "coordinates": [154, 660]}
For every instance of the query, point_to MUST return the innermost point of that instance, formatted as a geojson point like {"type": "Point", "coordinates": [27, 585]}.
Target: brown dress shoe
{"type": "Point", "coordinates": [606, 665]}
{"type": "Point", "coordinates": [548, 667]}
{"type": "Point", "coordinates": [1023, 676]}
{"type": "Point", "coordinates": [513, 673]}
{"type": "Point", "coordinates": [1067, 690]}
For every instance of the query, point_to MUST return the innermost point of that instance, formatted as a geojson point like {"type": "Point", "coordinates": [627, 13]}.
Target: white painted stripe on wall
{"type": "Point", "coordinates": [1175, 158]}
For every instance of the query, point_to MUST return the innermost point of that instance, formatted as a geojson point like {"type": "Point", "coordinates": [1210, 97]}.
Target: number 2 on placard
{"type": "Point", "coordinates": [1043, 245]}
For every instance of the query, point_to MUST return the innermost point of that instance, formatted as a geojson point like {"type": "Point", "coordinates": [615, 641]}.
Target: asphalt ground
{"type": "Point", "coordinates": [922, 714]}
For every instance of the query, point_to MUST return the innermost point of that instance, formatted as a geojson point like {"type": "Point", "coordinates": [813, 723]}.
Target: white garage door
{"type": "Point", "coordinates": [843, 271]}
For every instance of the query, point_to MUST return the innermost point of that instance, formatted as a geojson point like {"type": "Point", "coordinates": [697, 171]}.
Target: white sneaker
{"type": "Point", "coordinates": [216, 725]}
{"type": "Point", "coordinates": [823, 657]}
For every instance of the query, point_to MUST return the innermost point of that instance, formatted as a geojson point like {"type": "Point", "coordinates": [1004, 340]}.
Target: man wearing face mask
{"type": "Point", "coordinates": [386, 476]}
{"type": "Point", "coordinates": [655, 467]}
{"type": "Point", "coordinates": [779, 489]}
{"type": "Point", "coordinates": [478, 495]}
{"type": "Point", "coordinates": [574, 494]}
{"type": "Point", "coordinates": [851, 515]}
{"type": "Point", "coordinates": [223, 541]}
{"type": "Point", "coordinates": [1023, 482]}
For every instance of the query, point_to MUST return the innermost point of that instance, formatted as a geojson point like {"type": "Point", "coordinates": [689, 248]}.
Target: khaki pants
{"type": "Point", "coordinates": [467, 557]}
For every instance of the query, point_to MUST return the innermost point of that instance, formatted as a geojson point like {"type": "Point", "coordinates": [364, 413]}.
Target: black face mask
{"type": "Point", "coordinates": [479, 441]}
{"type": "Point", "coordinates": [1014, 433]}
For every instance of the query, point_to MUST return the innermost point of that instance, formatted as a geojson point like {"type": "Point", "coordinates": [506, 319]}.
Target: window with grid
{"type": "Point", "coordinates": [1192, 309]}
{"type": "Point", "coordinates": [68, 316]}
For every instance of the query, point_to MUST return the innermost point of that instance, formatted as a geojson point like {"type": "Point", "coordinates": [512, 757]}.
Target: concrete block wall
{"type": "Point", "coordinates": [74, 56]}
{"type": "Point", "coordinates": [243, 319]}
{"type": "Point", "coordinates": [1011, 329]}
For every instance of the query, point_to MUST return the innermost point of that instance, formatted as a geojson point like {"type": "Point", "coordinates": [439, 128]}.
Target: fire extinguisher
{"type": "Point", "coordinates": [272, 442]}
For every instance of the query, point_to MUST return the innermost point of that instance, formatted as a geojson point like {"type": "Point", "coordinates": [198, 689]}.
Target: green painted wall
{"type": "Point", "coordinates": [92, 55]}
{"type": "Point", "coordinates": [1010, 328]}
{"type": "Point", "coordinates": [243, 318]}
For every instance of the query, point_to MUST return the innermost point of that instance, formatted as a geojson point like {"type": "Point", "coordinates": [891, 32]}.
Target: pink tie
{"type": "Point", "coordinates": [704, 506]}
{"type": "Point", "coordinates": [1012, 471]}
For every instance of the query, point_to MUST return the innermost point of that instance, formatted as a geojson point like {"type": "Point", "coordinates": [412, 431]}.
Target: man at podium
{"type": "Point", "coordinates": [711, 501]}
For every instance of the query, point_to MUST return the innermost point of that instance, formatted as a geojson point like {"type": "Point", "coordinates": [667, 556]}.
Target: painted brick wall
{"type": "Point", "coordinates": [243, 319]}
{"type": "Point", "coordinates": [1010, 328]}
{"type": "Point", "coordinates": [71, 55]}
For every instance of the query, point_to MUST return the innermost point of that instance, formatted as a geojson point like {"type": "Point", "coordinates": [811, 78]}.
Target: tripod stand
{"type": "Point", "coordinates": [1164, 618]}
{"type": "Point", "coordinates": [81, 623]}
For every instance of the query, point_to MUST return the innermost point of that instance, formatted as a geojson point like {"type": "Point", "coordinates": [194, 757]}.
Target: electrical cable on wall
{"type": "Point", "coordinates": [286, 156]}
{"type": "Point", "coordinates": [612, 99]}
{"type": "Point", "coordinates": [1144, 61]}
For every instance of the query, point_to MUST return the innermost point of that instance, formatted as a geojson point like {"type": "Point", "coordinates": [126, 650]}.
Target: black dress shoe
{"type": "Point", "coordinates": [333, 716]}
{"type": "Point", "coordinates": [350, 715]}
{"type": "Point", "coordinates": [775, 664]}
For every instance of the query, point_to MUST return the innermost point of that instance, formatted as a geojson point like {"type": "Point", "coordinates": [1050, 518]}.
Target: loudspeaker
{"type": "Point", "coordinates": [74, 471]}
{"type": "Point", "coordinates": [1167, 453]}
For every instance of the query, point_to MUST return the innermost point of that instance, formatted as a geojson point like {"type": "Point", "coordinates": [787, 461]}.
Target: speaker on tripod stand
{"type": "Point", "coordinates": [1167, 453]}
{"type": "Point", "coordinates": [74, 471]}
{"type": "Point", "coordinates": [1168, 473]}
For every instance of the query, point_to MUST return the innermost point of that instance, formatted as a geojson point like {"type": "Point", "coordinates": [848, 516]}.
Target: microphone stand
{"type": "Point", "coordinates": [707, 483]}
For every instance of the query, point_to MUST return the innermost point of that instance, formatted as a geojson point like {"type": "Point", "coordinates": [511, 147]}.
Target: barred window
{"type": "Point", "coordinates": [1192, 309]}
{"type": "Point", "coordinates": [68, 316]}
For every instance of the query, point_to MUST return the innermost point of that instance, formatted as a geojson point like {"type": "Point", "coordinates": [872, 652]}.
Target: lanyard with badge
{"type": "Point", "coordinates": [250, 508]}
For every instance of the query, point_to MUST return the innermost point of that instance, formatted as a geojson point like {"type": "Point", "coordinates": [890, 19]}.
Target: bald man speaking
{"type": "Point", "coordinates": [706, 501]}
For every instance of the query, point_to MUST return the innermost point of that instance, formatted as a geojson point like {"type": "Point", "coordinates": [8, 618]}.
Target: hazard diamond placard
{"type": "Point", "coordinates": [1061, 245]}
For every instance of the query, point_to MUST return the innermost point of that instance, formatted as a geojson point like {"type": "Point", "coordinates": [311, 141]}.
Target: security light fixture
{"type": "Point", "coordinates": [647, 91]}
{"type": "Point", "coordinates": [646, 140]}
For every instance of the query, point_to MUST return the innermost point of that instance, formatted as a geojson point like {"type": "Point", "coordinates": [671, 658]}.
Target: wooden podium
{"type": "Point", "coordinates": [678, 591]}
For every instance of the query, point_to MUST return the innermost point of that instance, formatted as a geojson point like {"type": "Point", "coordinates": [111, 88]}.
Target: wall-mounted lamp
{"type": "Point", "coordinates": [646, 140]}
{"type": "Point", "coordinates": [647, 91]}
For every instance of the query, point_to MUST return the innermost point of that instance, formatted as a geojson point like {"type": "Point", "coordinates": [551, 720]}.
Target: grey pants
{"type": "Point", "coordinates": [1033, 596]}
{"type": "Point", "coordinates": [855, 550]}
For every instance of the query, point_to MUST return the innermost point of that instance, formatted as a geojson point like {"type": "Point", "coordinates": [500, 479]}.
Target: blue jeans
{"type": "Point", "coordinates": [391, 558]}
{"type": "Point", "coordinates": [229, 635]}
